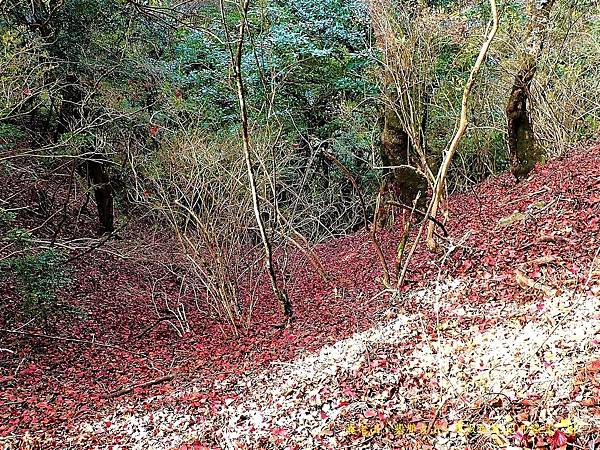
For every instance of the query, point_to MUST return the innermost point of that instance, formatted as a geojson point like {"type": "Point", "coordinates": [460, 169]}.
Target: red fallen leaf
{"type": "Point", "coordinates": [278, 431]}
{"type": "Point", "coordinates": [290, 337]}
{"type": "Point", "coordinates": [378, 363]}
{"type": "Point", "coordinates": [199, 446]}
{"type": "Point", "coordinates": [370, 413]}
{"type": "Point", "coordinates": [323, 415]}
{"type": "Point", "coordinates": [559, 439]}
{"type": "Point", "coordinates": [349, 392]}
{"type": "Point", "coordinates": [30, 369]}
{"type": "Point", "coordinates": [595, 366]}
{"type": "Point", "coordinates": [153, 130]}
{"type": "Point", "coordinates": [519, 437]}
{"type": "Point", "coordinates": [27, 91]}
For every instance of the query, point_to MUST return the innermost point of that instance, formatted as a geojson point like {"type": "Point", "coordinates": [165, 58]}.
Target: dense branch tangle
{"type": "Point", "coordinates": [279, 293]}
{"type": "Point", "coordinates": [406, 89]}
{"type": "Point", "coordinates": [462, 127]}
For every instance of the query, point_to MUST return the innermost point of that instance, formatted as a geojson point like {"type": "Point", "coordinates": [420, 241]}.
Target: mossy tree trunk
{"type": "Point", "coordinates": [403, 180]}
{"type": "Point", "coordinates": [523, 148]}
{"type": "Point", "coordinates": [405, 98]}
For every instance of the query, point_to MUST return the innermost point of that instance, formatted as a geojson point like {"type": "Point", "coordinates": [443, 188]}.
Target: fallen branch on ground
{"type": "Point", "coordinates": [422, 213]}
{"type": "Point", "coordinates": [124, 391]}
{"type": "Point", "coordinates": [152, 326]}
{"type": "Point", "coordinates": [60, 338]}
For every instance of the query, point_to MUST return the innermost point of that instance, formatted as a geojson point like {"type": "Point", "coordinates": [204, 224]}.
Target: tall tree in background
{"type": "Point", "coordinates": [73, 115]}
{"type": "Point", "coordinates": [63, 28]}
{"type": "Point", "coordinates": [236, 57]}
{"type": "Point", "coordinates": [523, 149]}
{"type": "Point", "coordinates": [405, 88]}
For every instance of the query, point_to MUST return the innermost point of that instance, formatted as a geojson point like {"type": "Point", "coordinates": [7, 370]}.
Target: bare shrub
{"type": "Point", "coordinates": [566, 91]}
{"type": "Point", "coordinates": [199, 188]}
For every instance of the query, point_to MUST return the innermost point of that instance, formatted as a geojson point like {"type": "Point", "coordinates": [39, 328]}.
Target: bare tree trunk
{"type": "Point", "coordinates": [462, 127]}
{"type": "Point", "coordinates": [72, 111]}
{"type": "Point", "coordinates": [103, 194]}
{"type": "Point", "coordinates": [280, 294]}
{"type": "Point", "coordinates": [522, 146]}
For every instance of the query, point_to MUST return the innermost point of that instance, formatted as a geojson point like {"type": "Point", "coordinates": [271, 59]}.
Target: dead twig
{"type": "Point", "coordinates": [120, 392]}
{"type": "Point", "coordinates": [422, 213]}
{"type": "Point", "coordinates": [532, 194]}
{"type": "Point", "coordinates": [151, 327]}
{"type": "Point", "coordinates": [64, 339]}
{"type": "Point", "coordinates": [96, 245]}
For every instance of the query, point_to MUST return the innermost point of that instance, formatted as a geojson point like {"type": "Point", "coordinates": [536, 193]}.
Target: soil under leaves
{"type": "Point", "coordinates": [501, 330]}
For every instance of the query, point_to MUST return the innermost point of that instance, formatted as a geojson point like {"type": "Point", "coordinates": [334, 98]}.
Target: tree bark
{"type": "Point", "coordinates": [280, 294]}
{"type": "Point", "coordinates": [523, 149]}
{"type": "Point", "coordinates": [103, 194]}
{"type": "Point", "coordinates": [440, 180]}
{"type": "Point", "coordinates": [72, 111]}
{"type": "Point", "coordinates": [405, 115]}
{"type": "Point", "coordinates": [396, 149]}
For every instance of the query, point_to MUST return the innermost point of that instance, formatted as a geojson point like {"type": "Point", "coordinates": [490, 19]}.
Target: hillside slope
{"type": "Point", "coordinates": [514, 285]}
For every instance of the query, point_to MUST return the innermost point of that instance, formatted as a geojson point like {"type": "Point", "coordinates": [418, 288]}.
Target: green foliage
{"type": "Point", "coordinates": [9, 135]}
{"type": "Point", "coordinates": [7, 217]}
{"type": "Point", "coordinates": [305, 65]}
{"type": "Point", "coordinates": [18, 235]}
{"type": "Point", "coordinates": [311, 72]}
{"type": "Point", "coordinates": [38, 277]}
{"type": "Point", "coordinates": [312, 55]}
{"type": "Point", "coordinates": [325, 48]}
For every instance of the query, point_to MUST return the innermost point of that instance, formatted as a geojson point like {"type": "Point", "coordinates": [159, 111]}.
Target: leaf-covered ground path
{"type": "Point", "coordinates": [503, 331]}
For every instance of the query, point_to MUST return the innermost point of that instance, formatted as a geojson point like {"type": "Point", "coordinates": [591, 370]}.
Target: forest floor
{"type": "Point", "coordinates": [494, 344]}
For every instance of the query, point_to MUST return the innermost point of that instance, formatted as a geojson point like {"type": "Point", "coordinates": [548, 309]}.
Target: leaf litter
{"type": "Point", "coordinates": [502, 351]}
{"type": "Point", "coordinates": [511, 375]}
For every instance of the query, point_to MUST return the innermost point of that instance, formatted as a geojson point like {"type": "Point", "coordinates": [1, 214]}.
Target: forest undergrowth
{"type": "Point", "coordinates": [503, 329]}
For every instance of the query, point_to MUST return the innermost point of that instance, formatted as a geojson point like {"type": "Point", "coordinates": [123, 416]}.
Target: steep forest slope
{"type": "Point", "coordinates": [264, 224]}
{"type": "Point", "coordinates": [505, 323]}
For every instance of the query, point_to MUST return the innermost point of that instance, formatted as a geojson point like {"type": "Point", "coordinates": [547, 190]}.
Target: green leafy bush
{"type": "Point", "coordinates": [37, 278]}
